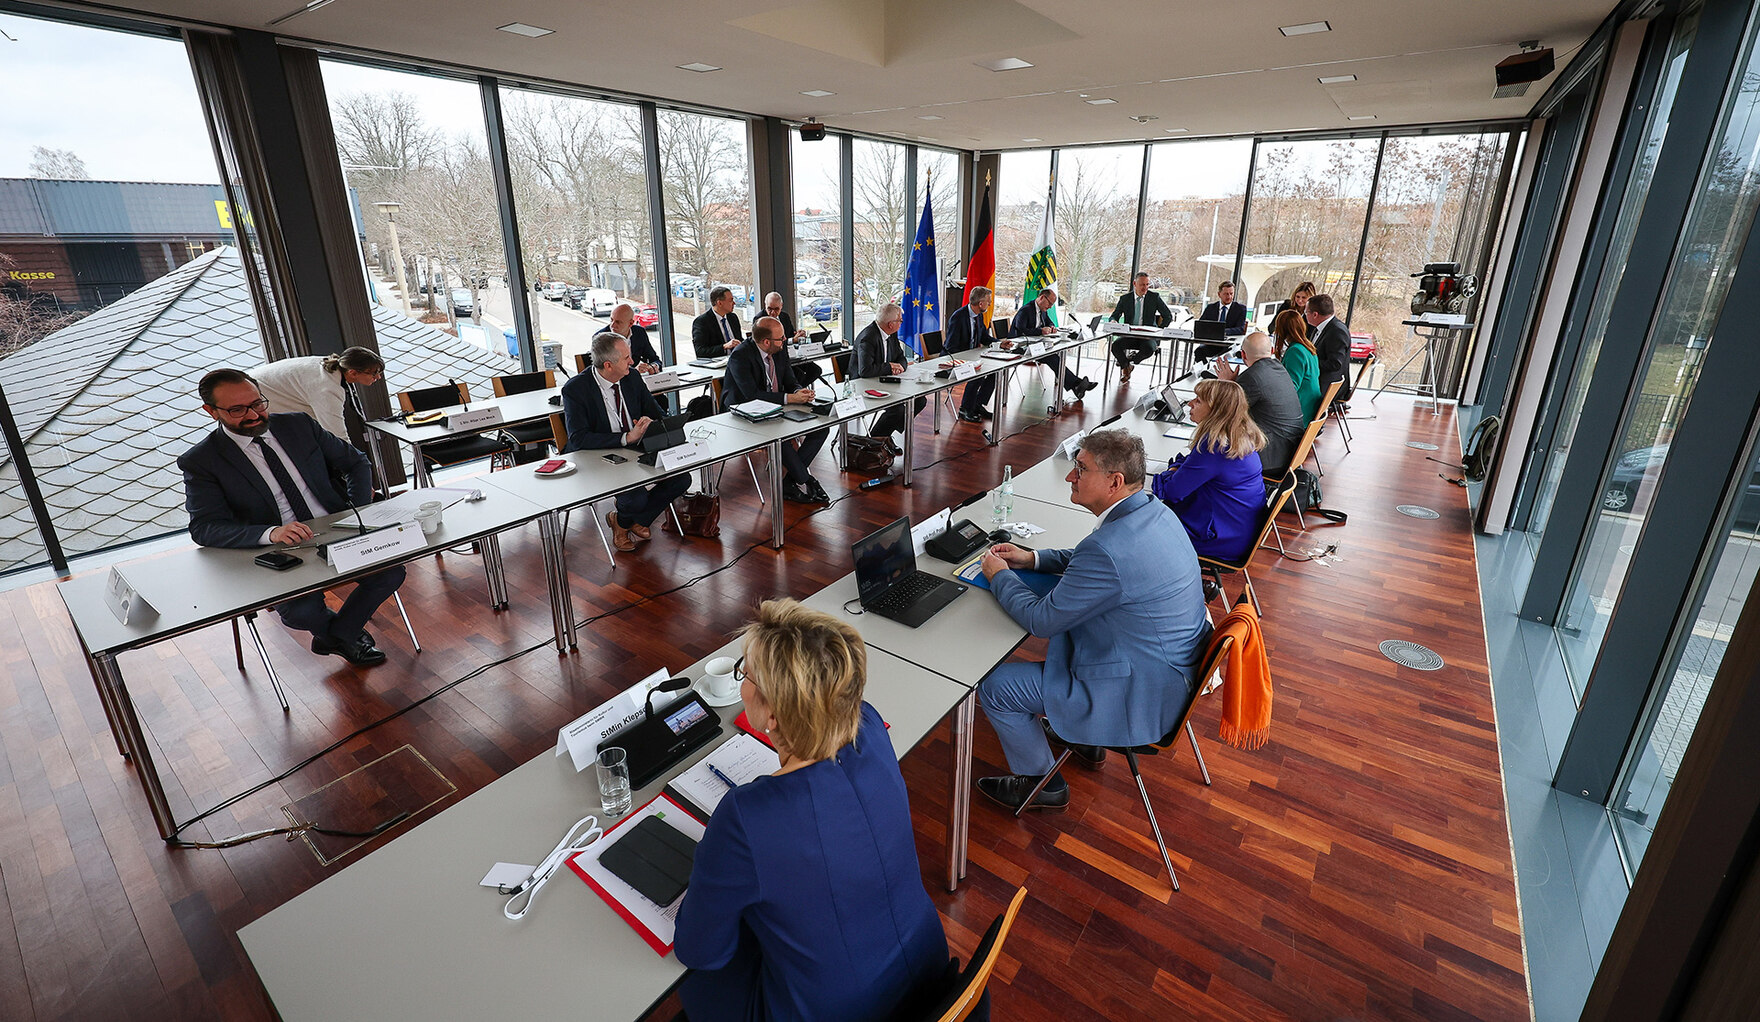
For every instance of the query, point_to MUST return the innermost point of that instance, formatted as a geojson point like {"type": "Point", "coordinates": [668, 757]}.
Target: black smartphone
{"type": "Point", "coordinates": [615, 459]}
{"type": "Point", "coordinates": [278, 561]}
{"type": "Point", "coordinates": [891, 379]}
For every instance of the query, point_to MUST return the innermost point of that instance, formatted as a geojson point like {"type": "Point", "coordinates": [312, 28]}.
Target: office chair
{"type": "Point", "coordinates": [968, 991]}
{"type": "Point", "coordinates": [1213, 655]}
{"type": "Point", "coordinates": [457, 450]}
{"type": "Point", "coordinates": [1217, 567]}
{"type": "Point", "coordinates": [526, 433]}
{"type": "Point", "coordinates": [934, 347]}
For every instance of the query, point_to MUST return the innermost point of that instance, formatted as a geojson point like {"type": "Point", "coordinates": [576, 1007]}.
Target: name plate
{"type": "Point", "coordinates": [678, 457]}
{"type": "Point", "coordinates": [581, 737]}
{"type": "Point", "coordinates": [1072, 444]}
{"type": "Point", "coordinates": [1035, 349]}
{"type": "Point", "coordinates": [810, 349]}
{"type": "Point", "coordinates": [849, 406]}
{"type": "Point", "coordinates": [380, 545]}
{"type": "Point", "coordinates": [474, 420]}
{"type": "Point", "coordinates": [129, 606]}
{"type": "Point", "coordinates": [657, 381]}
{"type": "Point", "coordinates": [965, 371]}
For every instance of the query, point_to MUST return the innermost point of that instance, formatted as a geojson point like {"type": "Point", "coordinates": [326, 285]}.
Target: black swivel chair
{"type": "Point", "coordinates": [458, 450]}
{"type": "Point", "coordinates": [526, 434]}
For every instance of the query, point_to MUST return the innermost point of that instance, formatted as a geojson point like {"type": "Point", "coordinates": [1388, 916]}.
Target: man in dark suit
{"type": "Point", "coordinates": [1142, 307]}
{"type": "Point", "coordinates": [879, 352]}
{"type": "Point", "coordinates": [641, 350]}
{"type": "Point", "coordinates": [1033, 320]}
{"type": "Point", "coordinates": [773, 309]}
{"type": "Point", "coordinates": [610, 406]}
{"type": "Point", "coordinates": [257, 480]}
{"type": "Point", "coordinates": [968, 328]}
{"type": "Point", "coordinates": [1230, 313]}
{"type": "Point", "coordinates": [716, 332]}
{"type": "Point", "coordinates": [761, 371]}
{"type": "Point", "coordinates": [1271, 401]}
{"type": "Point", "coordinates": [1332, 342]}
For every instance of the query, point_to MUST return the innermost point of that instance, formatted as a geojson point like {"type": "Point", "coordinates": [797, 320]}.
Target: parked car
{"type": "Point", "coordinates": [576, 295]}
{"type": "Point", "coordinates": [1362, 346]}
{"type": "Point", "coordinates": [823, 309]}
{"type": "Point", "coordinates": [818, 284]}
{"type": "Point", "coordinates": [1632, 482]}
{"type": "Point", "coordinates": [556, 291]}
{"type": "Point", "coordinates": [647, 317]}
{"type": "Point", "coordinates": [739, 293]}
{"type": "Point", "coordinates": [462, 305]}
{"type": "Point", "coordinates": [684, 285]}
{"type": "Point", "coordinates": [600, 301]}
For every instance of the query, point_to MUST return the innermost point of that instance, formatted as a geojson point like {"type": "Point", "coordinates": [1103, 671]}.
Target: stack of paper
{"type": "Point", "coordinates": [756, 410]}
{"type": "Point", "coordinates": [740, 759]}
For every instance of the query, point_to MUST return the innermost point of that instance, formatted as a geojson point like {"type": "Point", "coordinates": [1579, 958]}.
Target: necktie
{"type": "Point", "coordinates": [301, 510]}
{"type": "Point", "coordinates": [770, 371]}
{"type": "Point", "coordinates": [617, 398]}
{"type": "Point", "coordinates": [1139, 320]}
{"type": "Point", "coordinates": [726, 330]}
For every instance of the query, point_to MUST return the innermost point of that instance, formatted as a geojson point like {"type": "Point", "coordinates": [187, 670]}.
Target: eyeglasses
{"type": "Point", "coordinates": [739, 670]}
{"type": "Point", "coordinates": [260, 405]}
{"type": "Point", "coordinates": [1082, 469]}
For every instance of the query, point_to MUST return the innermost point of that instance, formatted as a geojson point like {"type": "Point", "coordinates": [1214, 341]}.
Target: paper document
{"type": "Point", "coordinates": [741, 759]}
{"type": "Point", "coordinates": [758, 409]}
{"type": "Point", "coordinates": [972, 572]}
{"type": "Point", "coordinates": [402, 508]}
{"type": "Point", "coordinates": [655, 923]}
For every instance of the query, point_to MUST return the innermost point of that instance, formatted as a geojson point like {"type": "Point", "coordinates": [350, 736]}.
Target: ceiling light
{"type": "Point", "coordinates": [928, 117]}
{"type": "Point", "coordinates": [306, 8]}
{"type": "Point", "coordinates": [1005, 64]}
{"type": "Point", "coordinates": [1362, 117]}
{"type": "Point", "coordinates": [1173, 130]}
{"type": "Point", "coordinates": [698, 67]}
{"type": "Point", "coordinates": [1144, 118]}
{"type": "Point", "coordinates": [1308, 29]}
{"type": "Point", "coordinates": [529, 31]}
{"type": "Point", "coordinates": [1337, 79]}
{"type": "Point", "coordinates": [1032, 140]}
{"type": "Point", "coordinates": [1100, 102]}
{"type": "Point", "coordinates": [818, 93]}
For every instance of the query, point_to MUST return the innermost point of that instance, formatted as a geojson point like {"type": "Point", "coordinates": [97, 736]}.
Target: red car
{"type": "Point", "coordinates": [1362, 346]}
{"type": "Point", "coordinates": [647, 316]}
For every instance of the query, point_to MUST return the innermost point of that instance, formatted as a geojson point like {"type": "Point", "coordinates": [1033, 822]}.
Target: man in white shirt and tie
{"type": "Point", "coordinates": [716, 332]}
{"type": "Point", "coordinates": [1142, 307]}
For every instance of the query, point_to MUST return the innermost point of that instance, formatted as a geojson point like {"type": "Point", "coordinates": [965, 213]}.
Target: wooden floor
{"type": "Point", "coordinates": [1356, 867]}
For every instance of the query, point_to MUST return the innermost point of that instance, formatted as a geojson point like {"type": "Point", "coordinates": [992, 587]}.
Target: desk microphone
{"type": "Point", "coordinates": [460, 392]}
{"type": "Point", "coordinates": [669, 685]}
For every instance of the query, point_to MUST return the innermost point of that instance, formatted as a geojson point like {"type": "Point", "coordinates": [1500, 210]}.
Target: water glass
{"type": "Point", "coordinates": [613, 770]}
{"type": "Point", "coordinates": [1001, 505]}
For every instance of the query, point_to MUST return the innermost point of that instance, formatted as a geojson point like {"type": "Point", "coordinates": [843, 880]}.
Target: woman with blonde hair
{"type": "Point", "coordinates": [1217, 488]}
{"type": "Point", "coordinates": [806, 899]}
{"type": "Point", "coordinates": [1289, 333]}
{"type": "Point", "coordinates": [1298, 299]}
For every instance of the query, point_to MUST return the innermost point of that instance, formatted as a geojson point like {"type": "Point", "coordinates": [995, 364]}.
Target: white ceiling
{"type": "Point", "coordinates": [1209, 68]}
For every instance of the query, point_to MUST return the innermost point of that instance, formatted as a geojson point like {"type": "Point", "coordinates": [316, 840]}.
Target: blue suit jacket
{"type": "Point", "coordinates": [1234, 317]}
{"type": "Point", "coordinates": [965, 330]}
{"type": "Point", "coordinates": [1218, 499]}
{"type": "Point", "coordinates": [587, 419]}
{"type": "Point", "coordinates": [229, 502]}
{"type": "Point", "coordinates": [1028, 322]}
{"type": "Point", "coordinates": [1126, 622]}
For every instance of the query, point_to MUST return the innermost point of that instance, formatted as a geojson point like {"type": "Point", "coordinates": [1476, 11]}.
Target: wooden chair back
{"type": "Point", "coordinates": [1326, 398]}
{"type": "Point", "coordinates": [558, 432]}
{"type": "Point", "coordinates": [963, 999]}
{"type": "Point", "coordinates": [1303, 448]}
{"type": "Point", "coordinates": [524, 383]}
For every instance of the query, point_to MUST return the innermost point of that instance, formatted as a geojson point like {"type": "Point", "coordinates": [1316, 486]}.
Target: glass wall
{"type": "Point", "coordinates": [817, 205]}
{"type": "Point", "coordinates": [580, 192]}
{"type": "Point", "coordinates": [882, 224]}
{"type": "Point", "coordinates": [120, 281]}
{"type": "Point", "coordinates": [1611, 273]}
{"type": "Point", "coordinates": [938, 171]}
{"type": "Point", "coordinates": [1096, 225]}
{"type": "Point", "coordinates": [1306, 220]}
{"type": "Point", "coordinates": [1197, 195]}
{"type": "Point", "coordinates": [1021, 197]}
{"type": "Point", "coordinates": [706, 177]}
{"type": "Point", "coordinates": [1427, 210]}
{"type": "Point", "coordinates": [1712, 238]}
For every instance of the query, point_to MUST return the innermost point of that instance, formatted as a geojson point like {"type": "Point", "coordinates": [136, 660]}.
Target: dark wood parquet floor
{"type": "Point", "coordinates": [1356, 867]}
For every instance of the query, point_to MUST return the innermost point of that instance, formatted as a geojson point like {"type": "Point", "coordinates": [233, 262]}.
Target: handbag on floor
{"type": "Point", "coordinates": [870, 455]}
{"type": "Point", "coordinates": [699, 514]}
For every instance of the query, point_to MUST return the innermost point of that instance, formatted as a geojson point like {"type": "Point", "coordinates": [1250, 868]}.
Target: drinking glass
{"type": "Point", "coordinates": [613, 769]}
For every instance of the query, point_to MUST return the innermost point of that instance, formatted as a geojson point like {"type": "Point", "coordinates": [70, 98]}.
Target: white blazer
{"type": "Point", "coordinates": [302, 385]}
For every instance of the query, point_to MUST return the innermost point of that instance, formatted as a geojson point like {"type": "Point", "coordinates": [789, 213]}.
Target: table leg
{"type": "Point", "coordinates": [111, 678]}
{"type": "Point", "coordinates": [494, 572]}
{"type": "Point", "coordinates": [910, 445]}
{"type": "Point", "coordinates": [556, 575]}
{"type": "Point", "coordinates": [105, 700]}
{"type": "Point", "coordinates": [776, 525]}
{"type": "Point", "coordinates": [959, 801]}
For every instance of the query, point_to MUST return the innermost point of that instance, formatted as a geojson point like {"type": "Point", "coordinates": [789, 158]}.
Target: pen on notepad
{"type": "Point", "coordinates": [724, 778]}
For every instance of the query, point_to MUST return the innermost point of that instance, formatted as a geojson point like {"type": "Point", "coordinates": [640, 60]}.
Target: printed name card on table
{"type": "Point", "coordinates": [475, 419]}
{"type": "Point", "coordinates": [678, 457]}
{"type": "Point", "coordinates": [849, 406]}
{"type": "Point", "coordinates": [581, 737]}
{"type": "Point", "coordinates": [661, 380]}
{"type": "Point", "coordinates": [965, 370]}
{"type": "Point", "coordinates": [378, 545]}
{"type": "Point", "coordinates": [129, 606]}
{"type": "Point", "coordinates": [1072, 444]}
{"type": "Point", "coordinates": [808, 349]}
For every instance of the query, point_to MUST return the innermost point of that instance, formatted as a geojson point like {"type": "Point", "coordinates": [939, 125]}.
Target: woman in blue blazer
{"type": "Point", "coordinates": [806, 900]}
{"type": "Point", "coordinates": [1217, 488]}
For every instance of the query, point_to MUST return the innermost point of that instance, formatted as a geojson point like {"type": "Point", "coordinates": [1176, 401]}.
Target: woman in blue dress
{"type": "Point", "coordinates": [806, 900]}
{"type": "Point", "coordinates": [1217, 488]}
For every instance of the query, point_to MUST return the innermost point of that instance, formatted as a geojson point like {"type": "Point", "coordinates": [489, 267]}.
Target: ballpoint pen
{"type": "Point", "coordinates": [724, 778]}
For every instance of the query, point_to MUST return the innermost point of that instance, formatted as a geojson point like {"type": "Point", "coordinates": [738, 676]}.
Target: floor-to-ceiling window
{"type": "Point", "coordinates": [1197, 195]}
{"type": "Point", "coordinates": [706, 177]}
{"type": "Point", "coordinates": [1306, 220]}
{"type": "Point", "coordinates": [882, 223]}
{"type": "Point", "coordinates": [1021, 197]}
{"type": "Point", "coordinates": [938, 173]}
{"type": "Point", "coordinates": [1097, 193]}
{"type": "Point", "coordinates": [121, 280]}
{"type": "Point", "coordinates": [817, 212]}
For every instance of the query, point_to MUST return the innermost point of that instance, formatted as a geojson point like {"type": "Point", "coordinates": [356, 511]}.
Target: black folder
{"type": "Point", "coordinates": [654, 858]}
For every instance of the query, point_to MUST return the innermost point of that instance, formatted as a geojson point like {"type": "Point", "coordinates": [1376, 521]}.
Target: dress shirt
{"type": "Point", "coordinates": [613, 398]}
{"type": "Point", "coordinates": [1099, 521]}
{"type": "Point", "coordinates": [248, 444]}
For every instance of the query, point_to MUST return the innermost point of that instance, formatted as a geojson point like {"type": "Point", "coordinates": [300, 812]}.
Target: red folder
{"type": "Point", "coordinates": [653, 939]}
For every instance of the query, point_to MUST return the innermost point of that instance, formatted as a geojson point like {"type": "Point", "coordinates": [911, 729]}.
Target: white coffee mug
{"type": "Point", "coordinates": [719, 681]}
{"type": "Point", "coordinates": [429, 521]}
{"type": "Point", "coordinates": [437, 508]}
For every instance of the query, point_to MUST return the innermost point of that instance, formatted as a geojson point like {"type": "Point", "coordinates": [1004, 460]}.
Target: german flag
{"type": "Point", "coordinates": [981, 267]}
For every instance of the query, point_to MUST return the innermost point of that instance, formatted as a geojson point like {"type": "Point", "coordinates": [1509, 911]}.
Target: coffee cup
{"type": "Point", "coordinates": [436, 508]}
{"type": "Point", "coordinates": [428, 520]}
{"type": "Point", "coordinates": [719, 684]}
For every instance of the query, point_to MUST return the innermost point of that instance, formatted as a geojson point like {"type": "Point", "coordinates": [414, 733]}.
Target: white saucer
{"type": "Point", "coordinates": [702, 688]}
{"type": "Point", "coordinates": [567, 469]}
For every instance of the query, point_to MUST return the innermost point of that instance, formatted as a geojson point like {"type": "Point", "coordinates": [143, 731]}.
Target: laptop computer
{"type": "Point", "coordinates": [889, 582]}
{"type": "Point", "coordinates": [1209, 330]}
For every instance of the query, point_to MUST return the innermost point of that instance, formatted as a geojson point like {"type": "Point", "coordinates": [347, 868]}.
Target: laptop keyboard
{"type": "Point", "coordinates": [906, 591]}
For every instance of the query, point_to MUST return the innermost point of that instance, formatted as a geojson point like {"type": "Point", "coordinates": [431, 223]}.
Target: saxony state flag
{"type": "Point", "coordinates": [1041, 266]}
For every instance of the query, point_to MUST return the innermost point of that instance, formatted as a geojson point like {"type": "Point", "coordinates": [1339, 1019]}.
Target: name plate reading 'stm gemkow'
{"type": "Point", "coordinates": [480, 418]}
{"type": "Point", "coordinates": [376, 546]}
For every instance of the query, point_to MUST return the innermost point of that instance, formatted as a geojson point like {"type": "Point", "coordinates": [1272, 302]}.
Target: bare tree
{"type": "Point", "coordinates": [881, 220]}
{"type": "Point", "coordinates": [703, 176]}
{"type": "Point", "coordinates": [59, 164]}
{"type": "Point", "coordinates": [1095, 227]}
{"type": "Point", "coordinates": [26, 318]}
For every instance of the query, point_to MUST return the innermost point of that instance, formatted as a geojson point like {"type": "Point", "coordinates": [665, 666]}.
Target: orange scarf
{"type": "Point", "coordinates": [1246, 678]}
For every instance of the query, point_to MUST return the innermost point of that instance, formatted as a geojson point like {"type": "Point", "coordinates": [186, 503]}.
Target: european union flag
{"type": "Point", "coordinates": [922, 286]}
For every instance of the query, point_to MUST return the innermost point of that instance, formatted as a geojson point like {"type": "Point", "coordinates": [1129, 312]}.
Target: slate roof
{"type": "Point", "coordinates": [107, 404]}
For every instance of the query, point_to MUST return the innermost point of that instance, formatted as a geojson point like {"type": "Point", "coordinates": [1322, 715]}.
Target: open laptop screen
{"type": "Point", "coordinates": [883, 557]}
{"type": "Point", "coordinates": [1209, 330]}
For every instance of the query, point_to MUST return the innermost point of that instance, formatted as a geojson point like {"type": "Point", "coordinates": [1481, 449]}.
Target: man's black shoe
{"type": "Point", "coordinates": [1090, 756]}
{"type": "Point", "coordinates": [1010, 790]}
{"type": "Point", "coordinates": [360, 651]}
{"type": "Point", "coordinates": [1212, 590]}
{"type": "Point", "coordinates": [970, 417]}
{"type": "Point", "coordinates": [818, 491]}
{"type": "Point", "coordinates": [798, 493]}
{"type": "Point", "coordinates": [985, 413]}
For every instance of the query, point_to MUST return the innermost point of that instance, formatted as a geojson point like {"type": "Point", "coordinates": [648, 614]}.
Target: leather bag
{"type": "Point", "coordinates": [870, 455]}
{"type": "Point", "coordinates": [698, 513]}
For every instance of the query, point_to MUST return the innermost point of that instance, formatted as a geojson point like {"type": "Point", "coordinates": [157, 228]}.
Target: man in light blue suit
{"type": "Point", "coordinates": [1126, 621]}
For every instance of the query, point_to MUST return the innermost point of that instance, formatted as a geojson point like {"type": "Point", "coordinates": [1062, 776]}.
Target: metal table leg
{"type": "Point", "coordinates": [910, 444]}
{"type": "Point", "coordinates": [494, 572]}
{"type": "Point", "coordinates": [776, 524]}
{"type": "Point", "coordinates": [104, 700]}
{"type": "Point", "coordinates": [556, 575]}
{"type": "Point", "coordinates": [111, 678]}
{"type": "Point", "coordinates": [959, 802]}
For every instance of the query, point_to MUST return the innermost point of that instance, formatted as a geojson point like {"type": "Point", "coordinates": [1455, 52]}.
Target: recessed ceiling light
{"type": "Point", "coordinates": [1100, 102]}
{"type": "Point", "coordinates": [1032, 140]}
{"type": "Point", "coordinates": [1308, 29]}
{"type": "Point", "coordinates": [1178, 129]}
{"type": "Point", "coordinates": [928, 117]}
{"type": "Point", "coordinates": [818, 93]}
{"type": "Point", "coordinates": [1337, 79]}
{"type": "Point", "coordinates": [698, 67]}
{"type": "Point", "coordinates": [1144, 118]}
{"type": "Point", "coordinates": [1005, 64]}
{"type": "Point", "coordinates": [529, 31]}
{"type": "Point", "coordinates": [1363, 117]}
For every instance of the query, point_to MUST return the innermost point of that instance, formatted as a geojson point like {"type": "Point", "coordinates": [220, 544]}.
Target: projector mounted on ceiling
{"type": "Point", "coordinates": [1516, 72]}
{"type": "Point", "coordinates": [812, 131]}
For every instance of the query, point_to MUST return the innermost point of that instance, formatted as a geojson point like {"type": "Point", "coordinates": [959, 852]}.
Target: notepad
{"type": "Point", "coordinates": [756, 410]}
{"type": "Point", "coordinates": [741, 759]}
{"type": "Point", "coordinates": [972, 572]}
